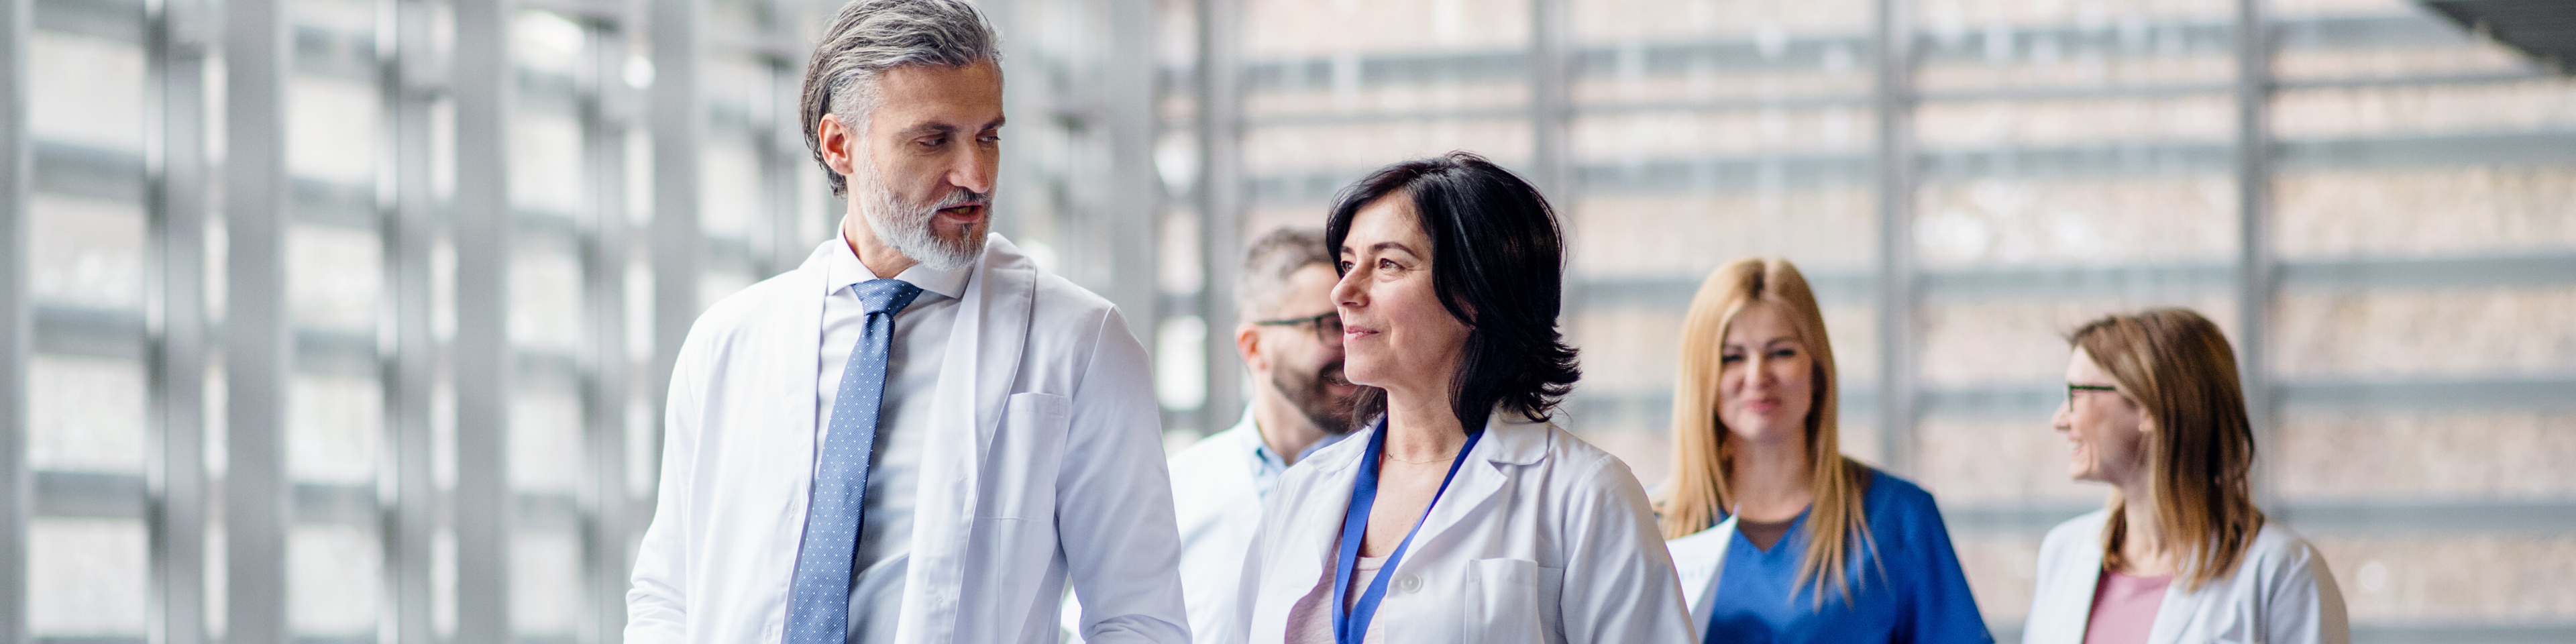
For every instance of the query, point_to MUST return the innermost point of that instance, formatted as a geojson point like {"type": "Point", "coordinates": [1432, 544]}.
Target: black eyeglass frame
{"type": "Point", "coordinates": [1316, 320]}
{"type": "Point", "coordinates": [2071, 388]}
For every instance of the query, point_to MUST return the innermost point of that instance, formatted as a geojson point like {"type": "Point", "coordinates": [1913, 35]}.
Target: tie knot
{"type": "Point", "coordinates": [887, 296]}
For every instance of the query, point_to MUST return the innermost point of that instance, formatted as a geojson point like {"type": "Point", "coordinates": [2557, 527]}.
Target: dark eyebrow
{"type": "Point", "coordinates": [1381, 246]}
{"type": "Point", "coordinates": [943, 128]}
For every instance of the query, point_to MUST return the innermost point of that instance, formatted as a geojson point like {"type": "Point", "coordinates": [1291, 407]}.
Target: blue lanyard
{"type": "Point", "coordinates": [1350, 625]}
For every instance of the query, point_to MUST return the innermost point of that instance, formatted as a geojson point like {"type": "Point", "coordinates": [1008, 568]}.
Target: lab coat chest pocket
{"type": "Point", "coordinates": [1027, 452]}
{"type": "Point", "coordinates": [1512, 600]}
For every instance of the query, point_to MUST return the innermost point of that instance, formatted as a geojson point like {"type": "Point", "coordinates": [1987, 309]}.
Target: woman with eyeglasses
{"type": "Point", "coordinates": [1778, 536]}
{"type": "Point", "coordinates": [2181, 556]}
{"type": "Point", "coordinates": [1457, 513]}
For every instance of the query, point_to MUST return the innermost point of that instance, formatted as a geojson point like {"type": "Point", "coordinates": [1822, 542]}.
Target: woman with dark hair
{"type": "Point", "coordinates": [1457, 513]}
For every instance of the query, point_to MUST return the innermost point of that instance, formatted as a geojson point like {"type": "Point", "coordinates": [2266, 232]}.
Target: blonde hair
{"type": "Point", "coordinates": [1698, 494]}
{"type": "Point", "coordinates": [2178, 368]}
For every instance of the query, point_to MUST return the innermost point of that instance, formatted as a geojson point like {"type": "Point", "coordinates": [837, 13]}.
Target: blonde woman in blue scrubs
{"type": "Point", "coordinates": [1777, 535]}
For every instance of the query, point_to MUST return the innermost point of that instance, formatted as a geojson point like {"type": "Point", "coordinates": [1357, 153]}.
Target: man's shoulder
{"type": "Point", "coordinates": [739, 312]}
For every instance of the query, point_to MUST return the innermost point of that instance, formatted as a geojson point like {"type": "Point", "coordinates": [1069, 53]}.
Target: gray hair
{"type": "Point", "coordinates": [871, 36]}
{"type": "Point", "coordinates": [1268, 264]}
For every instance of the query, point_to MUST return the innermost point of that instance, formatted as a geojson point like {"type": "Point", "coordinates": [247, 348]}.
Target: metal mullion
{"type": "Point", "coordinates": [605, 533]}
{"type": "Point", "coordinates": [2257, 269]}
{"type": "Point", "coordinates": [1894, 95]}
{"type": "Point", "coordinates": [1550, 102]}
{"type": "Point", "coordinates": [258, 343]}
{"type": "Point", "coordinates": [175, 468]}
{"type": "Point", "coordinates": [409, 375]}
{"type": "Point", "coordinates": [1131, 203]}
{"type": "Point", "coordinates": [483, 221]}
{"type": "Point", "coordinates": [1220, 194]}
{"type": "Point", "coordinates": [678, 120]}
{"type": "Point", "coordinates": [17, 498]}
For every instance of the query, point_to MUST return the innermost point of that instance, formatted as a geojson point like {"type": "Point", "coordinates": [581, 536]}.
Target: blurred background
{"type": "Point", "coordinates": [340, 321]}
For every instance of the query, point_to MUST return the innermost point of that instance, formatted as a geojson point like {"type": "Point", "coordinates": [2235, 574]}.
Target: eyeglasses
{"type": "Point", "coordinates": [2071, 388]}
{"type": "Point", "coordinates": [1328, 325]}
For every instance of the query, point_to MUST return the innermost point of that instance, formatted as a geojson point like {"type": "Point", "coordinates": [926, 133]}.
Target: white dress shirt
{"type": "Point", "coordinates": [903, 421]}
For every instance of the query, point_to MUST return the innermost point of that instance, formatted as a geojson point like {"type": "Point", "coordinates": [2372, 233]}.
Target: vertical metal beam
{"type": "Point", "coordinates": [1132, 203]}
{"type": "Point", "coordinates": [1220, 200]}
{"type": "Point", "coordinates": [409, 374]}
{"type": "Point", "coordinates": [1550, 99]}
{"type": "Point", "coordinates": [677, 121]}
{"type": "Point", "coordinates": [258, 344]}
{"type": "Point", "coordinates": [481, 351]}
{"type": "Point", "coordinates": [175, 468]}
{"type": "Point", "coordinates": [607, 110]}
{"type": "Point", "coordinates": [17, 494]}
{"type": "Point", "coordinates": [2257, 272]}
{"type": "Point", "coordinates": [1893, 99]}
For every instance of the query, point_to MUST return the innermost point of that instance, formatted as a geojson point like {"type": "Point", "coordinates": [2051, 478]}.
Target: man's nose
{"type": "Point", "coordinates": [974, 168]}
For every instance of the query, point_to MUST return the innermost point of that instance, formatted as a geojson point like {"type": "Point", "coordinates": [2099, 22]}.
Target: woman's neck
{"type": "Point", "coordinates": [1771, 482]}
{"type": "Point", "coordinates": [2142, 540]}
{"type": "Point", "coordinates": [1420, 428]}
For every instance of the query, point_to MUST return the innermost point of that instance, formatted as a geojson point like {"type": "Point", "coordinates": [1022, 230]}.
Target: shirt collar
{"type": "Point", "coordinates": [1261, 446]}
{"type": "Point", "coordinates": [842, 269]}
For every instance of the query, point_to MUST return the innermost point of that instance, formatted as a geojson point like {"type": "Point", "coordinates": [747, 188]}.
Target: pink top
{"type": "Point", "coordinates": [2124, 608]}
{"type": "Point", "coordinates": [1311, 622]}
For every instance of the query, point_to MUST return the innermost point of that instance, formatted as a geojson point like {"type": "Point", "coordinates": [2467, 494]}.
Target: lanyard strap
{"type": "Point", "coordinates": [1350, 620]}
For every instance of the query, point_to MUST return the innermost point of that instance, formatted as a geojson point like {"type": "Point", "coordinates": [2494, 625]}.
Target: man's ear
{"type": "Point", "coordinates": [1247, 343]}
{"type": "Point", "coordinates": [839, 142]}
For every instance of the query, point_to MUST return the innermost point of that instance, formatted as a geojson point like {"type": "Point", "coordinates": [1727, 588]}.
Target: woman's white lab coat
{"type": "Point", "coordinates": [1540, 538]}
{"type": "Point", "coordinates": [1053, 474]}
{"type": "Point", "coordinates": [2281, 593]}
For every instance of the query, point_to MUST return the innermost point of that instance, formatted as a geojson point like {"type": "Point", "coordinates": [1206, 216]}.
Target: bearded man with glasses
{"type": "Point", "coordinates": [1291, 343]}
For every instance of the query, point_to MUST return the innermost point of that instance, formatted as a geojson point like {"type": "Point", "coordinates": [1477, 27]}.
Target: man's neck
{"type": "Point", "coordinates": [881, 259]}
{"type": "Point", "coordinates": [1286, 431]}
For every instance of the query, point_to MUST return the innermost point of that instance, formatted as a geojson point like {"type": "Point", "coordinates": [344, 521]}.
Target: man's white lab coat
{"type": "Point", "coordinates": [1540, 538]}
{"type": "Point", "coordinates": [2281, 593]}
{"type": "Point", "coordinates": [1047, 468]}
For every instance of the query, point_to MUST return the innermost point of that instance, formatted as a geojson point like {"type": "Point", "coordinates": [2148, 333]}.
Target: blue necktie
{"type": "Point", "coordinates": [818, 610]}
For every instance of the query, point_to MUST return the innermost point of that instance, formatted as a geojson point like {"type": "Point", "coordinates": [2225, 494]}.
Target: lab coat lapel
{"type": "Point", "coordinates": [1508, 441]}
{"type": "Point", "coordinates": [983, 358]}
{"type": "Point", "coordinates": [2060, 616]}
{"type": "Point", "coordinates": [1308, 538]}
{"type": "Point", "coordinates": [792, 364]}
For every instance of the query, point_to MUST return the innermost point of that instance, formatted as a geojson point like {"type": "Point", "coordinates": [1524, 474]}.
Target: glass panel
{"type": "Point", "coordinates": [2499, 579]}
{"type": "Point", "coordinates": [89, 577]}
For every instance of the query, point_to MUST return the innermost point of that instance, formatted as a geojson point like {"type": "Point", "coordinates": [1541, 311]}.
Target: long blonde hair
{"type": "Point", "coordinates": [2178, 368]}
{"type": "Point", "coordinates": [1698, 494]}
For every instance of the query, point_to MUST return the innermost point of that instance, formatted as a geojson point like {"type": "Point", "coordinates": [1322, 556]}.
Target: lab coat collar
{"type": "Point", "coordinates": [1520, 442]}
{"type": "Point", "coordinates": [1510, 440]}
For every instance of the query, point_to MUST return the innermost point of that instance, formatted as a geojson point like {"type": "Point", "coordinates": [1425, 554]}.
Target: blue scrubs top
{"type": "Point", "coordinates": [1914, 592]}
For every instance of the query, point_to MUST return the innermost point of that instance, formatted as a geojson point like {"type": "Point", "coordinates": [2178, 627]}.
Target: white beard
{"type": "Point", "coordinates": [906, 228]}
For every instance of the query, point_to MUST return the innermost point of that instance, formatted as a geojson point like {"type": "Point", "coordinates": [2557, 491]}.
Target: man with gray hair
{"type": "Point", "coordinates": [918, 435]}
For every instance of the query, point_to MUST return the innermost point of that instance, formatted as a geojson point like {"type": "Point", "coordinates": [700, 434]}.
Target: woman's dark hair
{"type": "Point", "coordinates": [1497, 264]}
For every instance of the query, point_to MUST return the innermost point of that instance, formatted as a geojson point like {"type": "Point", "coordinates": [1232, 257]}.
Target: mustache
{"type": "Point", "coordinates": [961, 197]}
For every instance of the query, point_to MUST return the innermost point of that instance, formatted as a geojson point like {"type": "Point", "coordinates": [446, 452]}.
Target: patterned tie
{"type": "Point", "coordinates": [819, 610]}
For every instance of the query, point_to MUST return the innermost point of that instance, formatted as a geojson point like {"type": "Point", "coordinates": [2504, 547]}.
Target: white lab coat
{"type": "Point", "coordinates": [1540, 538]}
{"type": "Point", "coordinates": [2281, 593]}
{"type": "Point", "coordinates": [1049, 469]}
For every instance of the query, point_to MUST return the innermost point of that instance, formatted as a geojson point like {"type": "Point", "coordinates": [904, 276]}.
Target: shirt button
{"type": "Point", "coordinates": [1411, 583]}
